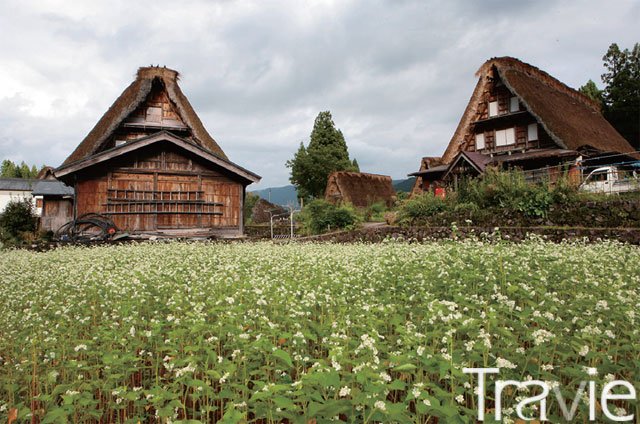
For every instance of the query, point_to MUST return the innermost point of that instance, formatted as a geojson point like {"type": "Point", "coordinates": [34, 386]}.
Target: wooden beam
{"type": "Point", "coordinates": [146, 141]}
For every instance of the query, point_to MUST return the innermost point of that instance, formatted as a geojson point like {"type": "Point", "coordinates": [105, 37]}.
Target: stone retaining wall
{"type": "Point", "coordinates": [378, 234]}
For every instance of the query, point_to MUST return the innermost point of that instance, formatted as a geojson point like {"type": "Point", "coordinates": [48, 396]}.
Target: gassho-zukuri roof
{"type": "Point", "coordinates": [571, 119]}
{"type": "Point", "coordinates": [130, 99]}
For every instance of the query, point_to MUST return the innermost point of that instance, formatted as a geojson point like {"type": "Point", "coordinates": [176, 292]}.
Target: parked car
{"type": "Point", "coordinates": [609, 179]}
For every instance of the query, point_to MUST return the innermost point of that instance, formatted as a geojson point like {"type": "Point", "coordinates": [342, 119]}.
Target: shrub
{"type": "Point", "coordinates": [422, 206]}
{"type": "Point", "coordinates": [17, 219]}
{"type": "Point", "coordinates": [536, 201]}
{"type": "Point", "coordinates": [564, 191]}
{"type": "Point", "coordinates": [466, 208]}
{"type": "Point", "coordinates": [376, 211]}
{"type": "Point", "coordinates": [401, 195]}
{"type": "Point", "coordinates": [508, 190]}
{"type": "Point", "coordinates": [321, 215]}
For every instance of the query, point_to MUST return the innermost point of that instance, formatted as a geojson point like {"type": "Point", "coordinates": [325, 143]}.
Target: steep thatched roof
{"type": "Point", "coordinates": [358, 188]}
{"type": "Point", "coordinates": [46, 173]}
{"type": "Point", "coordinates": [571, 119]}
{"type": "Point", "coordinates": [130, 99]}
{"type": "Point", "coordinates": [263, 210]}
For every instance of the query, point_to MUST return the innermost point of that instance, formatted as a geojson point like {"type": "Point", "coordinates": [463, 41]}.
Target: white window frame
{"type": "Point", "coordinates": [493, 109]}
{"type": "Point", "coordinates": [480, 145]}
{"type": "Point", "coordinates": [514, 104]}
{"type": "Point", "coordinates": [511, 136]}
{"type": "Point", "coordinates": [532, 132]}
{"type": "Point", "coordinates": [505, 137]}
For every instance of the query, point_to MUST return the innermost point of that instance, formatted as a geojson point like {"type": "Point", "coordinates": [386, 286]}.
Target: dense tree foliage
{"type": "Point", "coordinates": [326, 152]}
{"type": "Point", "coordinates": [16, 218]}
{"type": "Point", "coordinates": [11, 170]}
{"type": "Point", "coordinates": [249, 202]}
{"type": "Point", "coordinates": [622, 91]}
{"type": "Point", "coordinates": [591, 90]}
{"type": "Point", "coordinates": [620, 98]}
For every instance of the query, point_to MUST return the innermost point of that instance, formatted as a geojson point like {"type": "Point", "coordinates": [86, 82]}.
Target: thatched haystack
{"type": "Point", "coordinates": [263, 210]}
{"type": "Point", "coordinates": [359, 189]}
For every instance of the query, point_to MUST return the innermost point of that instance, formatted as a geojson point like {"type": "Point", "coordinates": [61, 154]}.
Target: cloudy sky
{"type": "Point", "coordinates": [396, 75]}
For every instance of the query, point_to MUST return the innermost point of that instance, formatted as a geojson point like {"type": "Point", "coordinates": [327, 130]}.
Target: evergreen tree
{"type": "Point", "coordinates": [622, 91]}
{"type": "Point", "coordinates": [9, 169]}
{"type": "Point", "coordinates": [25, 171]}
{"type": "Point", "coordinates": [591, 90]}
{"type": "Point", "coordinates": [326, 152]}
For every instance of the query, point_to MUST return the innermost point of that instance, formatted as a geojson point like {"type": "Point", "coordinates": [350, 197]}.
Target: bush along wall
{"type": "Point", "coordinates": [504, 198]}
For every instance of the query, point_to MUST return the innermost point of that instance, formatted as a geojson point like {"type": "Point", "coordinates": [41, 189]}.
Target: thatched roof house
{"type": "Point", "coordinates": [519, 115]}
{"type": "Point", "coordinates": [150, 164]}
{"type": "Point", "coordinates": [359, 189]}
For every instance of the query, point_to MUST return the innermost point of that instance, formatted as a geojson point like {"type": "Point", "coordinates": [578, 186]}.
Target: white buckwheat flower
{"type": "Point", "coordinates": [380, 405]}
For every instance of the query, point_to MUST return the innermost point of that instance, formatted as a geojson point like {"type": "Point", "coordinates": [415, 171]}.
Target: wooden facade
{"type": "Point", "coordinates": [56, 211]}
{"type": "Point", "coordinates": [156, 168]}
{"type": "Point", "coordinates": [161, 189]}
{"type": "Point", "coordinates": [55, 200]}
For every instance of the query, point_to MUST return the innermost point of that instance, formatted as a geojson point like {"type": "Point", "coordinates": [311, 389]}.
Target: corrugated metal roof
{"type": "Point", "coordinates": [51, 188]}
{"type": "Point", "coordinates": [17, 184]}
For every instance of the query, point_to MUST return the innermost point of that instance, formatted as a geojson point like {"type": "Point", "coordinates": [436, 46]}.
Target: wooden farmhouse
{"type": "Point", "coordinates": [359, 189]}
{"type": "Point", "coordinates": [521, 117]}
{"type": "Point", "coordinates": [151, 166]}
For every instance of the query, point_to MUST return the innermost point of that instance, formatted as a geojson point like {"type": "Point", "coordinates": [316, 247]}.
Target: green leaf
{"type": "Point", "coordinates": [284, 357]}
{"type": "Point", "coordinates": [405, 367]}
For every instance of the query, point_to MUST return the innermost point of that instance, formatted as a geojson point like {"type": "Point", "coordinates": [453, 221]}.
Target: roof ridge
{"type": "Point", "coordinates": [512, 63]}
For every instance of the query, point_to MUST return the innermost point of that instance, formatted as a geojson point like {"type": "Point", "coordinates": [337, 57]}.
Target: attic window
{"type": "Point", "coordinates": [479, 141]}
{"type": "Point", "coordinates": [514, 105]}
{"type": "Point", "coordinates": [154, 114]}
{"type": "Point", "coordinates": [532, 132]}
{"type": "Point", "coordinates": [505, 137]}
{"type": "Point", "coordinates": [119, 142]}
{"type": "Point", "coordinates": [493, 108]}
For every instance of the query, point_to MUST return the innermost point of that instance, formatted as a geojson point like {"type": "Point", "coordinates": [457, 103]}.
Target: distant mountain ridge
{"type": "Point", "coordinates": [287, 195]}
{"type": "Point", "coordinates": [282, 196]}
{"type": "Point", "coordinates": [405, 185]}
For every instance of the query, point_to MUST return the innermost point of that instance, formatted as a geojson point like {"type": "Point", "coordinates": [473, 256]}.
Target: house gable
{"type": "Point", "coordinates": [516, 107]}
{"type": "Point", "coordinates": [152, 103]}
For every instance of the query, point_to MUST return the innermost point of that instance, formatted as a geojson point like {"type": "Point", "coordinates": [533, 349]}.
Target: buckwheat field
{"type": "Point", "coordinates": [313, 333]}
